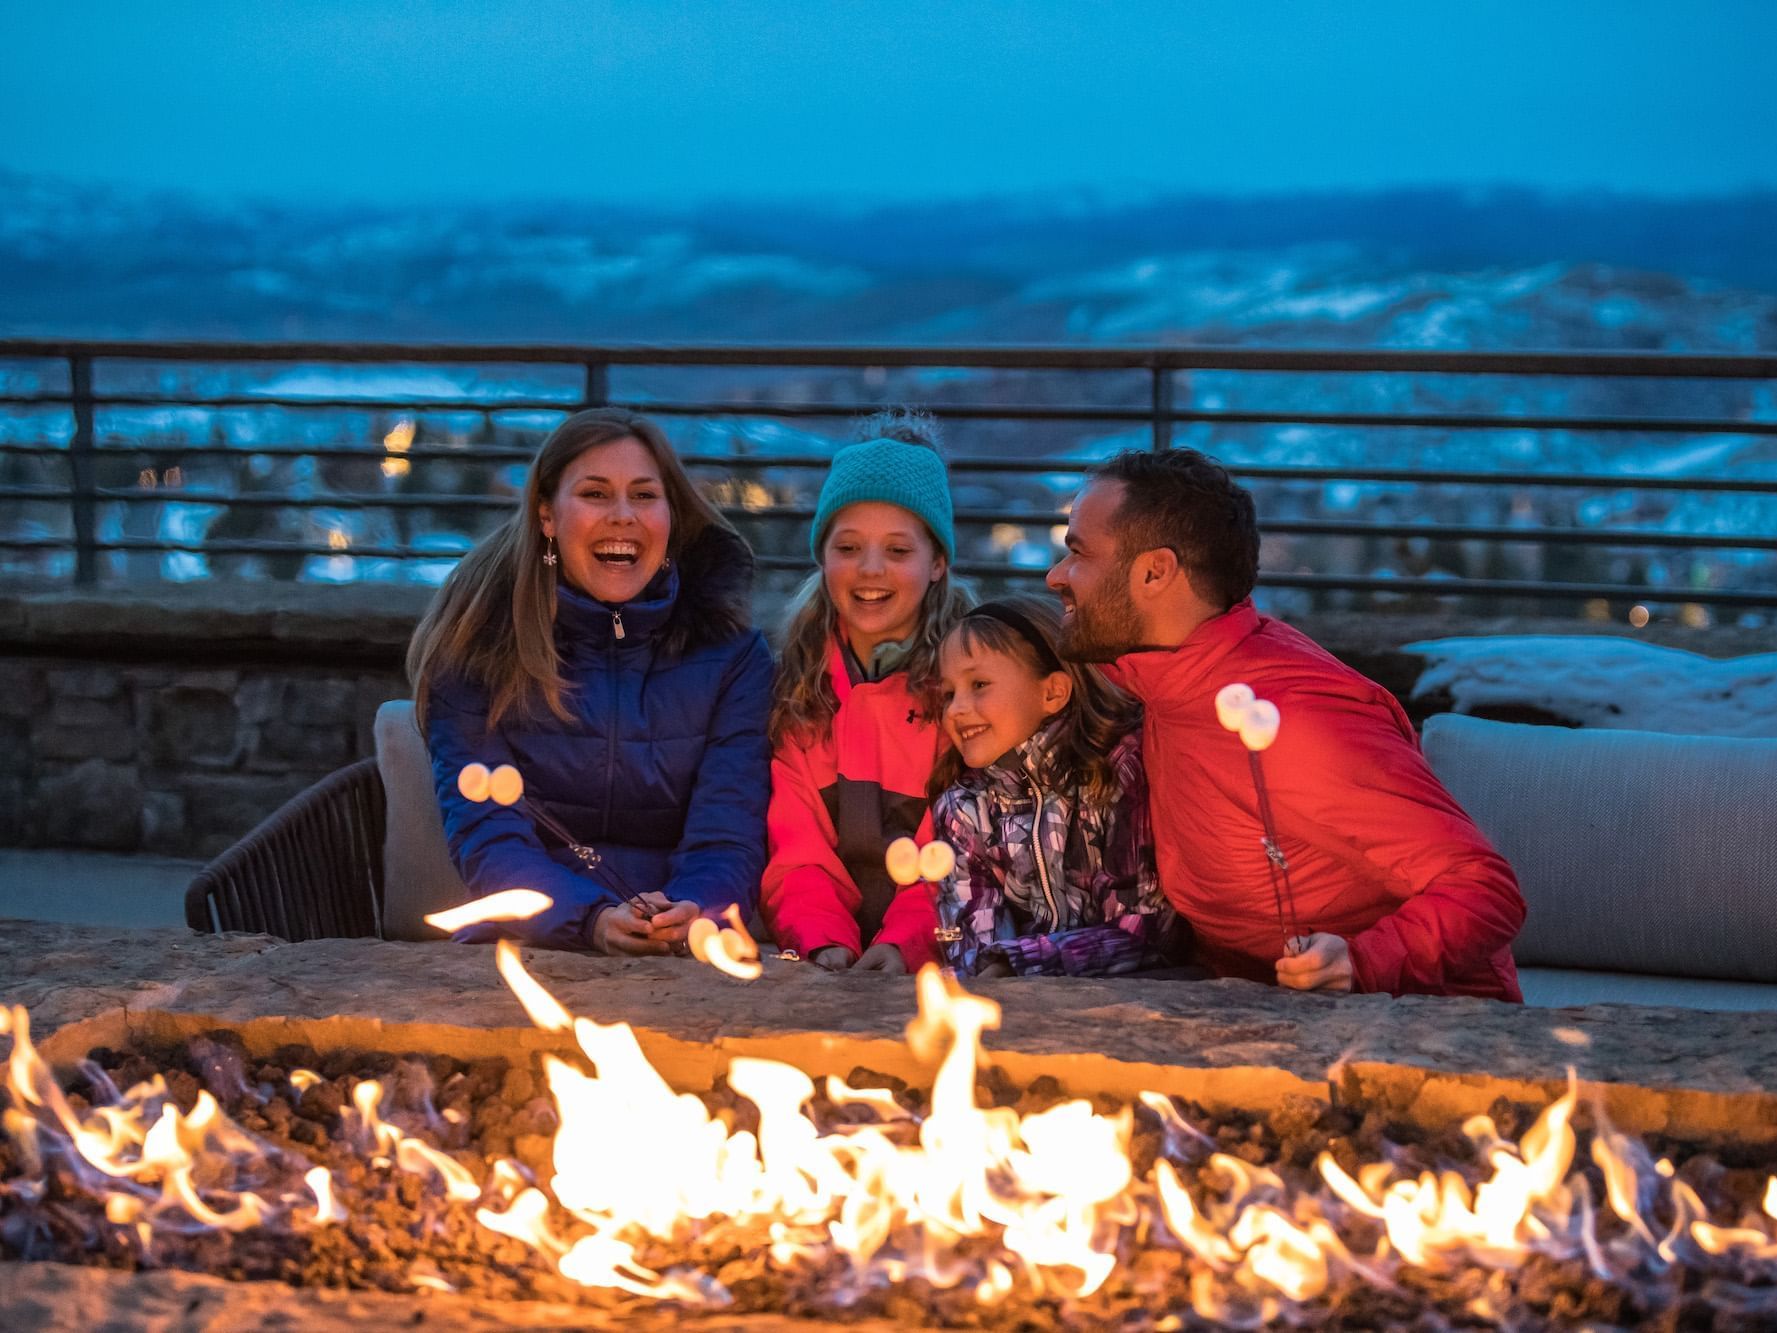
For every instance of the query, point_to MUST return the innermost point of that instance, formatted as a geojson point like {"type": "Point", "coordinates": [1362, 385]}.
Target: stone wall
{"type": "Point", "coordinates": [167, 759]}
{"type": "Point", "coordinates": [172, 719]}
{"type": "Point", "coordinates": [163, 723]}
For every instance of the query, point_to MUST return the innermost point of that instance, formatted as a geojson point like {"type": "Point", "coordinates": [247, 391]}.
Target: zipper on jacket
{"type": "Point", "coordinates": [617, 624]}
{"type": "Point", "coordinates": [611, 732]}
{"type": "Point", "coordinates": [1036, 848]}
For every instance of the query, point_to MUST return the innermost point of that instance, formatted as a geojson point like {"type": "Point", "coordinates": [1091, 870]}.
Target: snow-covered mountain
{"type": "Point", "coordinates": [1419, 269]}
{"type": "Point", "coordinates": [1429, 269]}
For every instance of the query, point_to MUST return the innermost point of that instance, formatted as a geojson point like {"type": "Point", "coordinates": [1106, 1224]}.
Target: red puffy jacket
{"type": "Point", "coordinates": [1379, 853]}
{"type": "Point", "coordinates": [836, 804]}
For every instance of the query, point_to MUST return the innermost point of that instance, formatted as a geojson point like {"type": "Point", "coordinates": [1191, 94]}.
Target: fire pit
{"type": "Point", "coordinates": [1129, 1155]}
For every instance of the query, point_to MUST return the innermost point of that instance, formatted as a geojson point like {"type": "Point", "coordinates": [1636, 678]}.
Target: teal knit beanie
{"type": "Point", "coordinates": [909, 475]}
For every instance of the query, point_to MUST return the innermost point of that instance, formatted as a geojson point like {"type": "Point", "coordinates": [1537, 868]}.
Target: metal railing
{"type": "Point", "coordinates": [1150, 405]}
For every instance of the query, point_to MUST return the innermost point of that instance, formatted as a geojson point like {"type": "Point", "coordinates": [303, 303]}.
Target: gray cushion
{"type": "Point", "coordinates": [1560, 988]}
{"type": "Point", "coordinates": [1636, 852]}
{"type": "Point", "coordinates": [418, 876]}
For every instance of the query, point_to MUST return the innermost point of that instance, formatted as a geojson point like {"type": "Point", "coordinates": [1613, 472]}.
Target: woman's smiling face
{"type": "Point", "coordinates": [877, 562]}
{"type": "Point", "coordinates": [611, 520]}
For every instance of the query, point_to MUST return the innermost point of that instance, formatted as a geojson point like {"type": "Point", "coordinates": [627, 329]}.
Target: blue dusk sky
{"type": "Point", "coordinates": [657, 101]}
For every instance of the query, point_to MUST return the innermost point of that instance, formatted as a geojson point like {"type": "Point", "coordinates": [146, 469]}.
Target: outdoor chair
{"type": "Point", "coordinates": [361, 852]}
{"type": "Point", "coordinates": [313, 869]}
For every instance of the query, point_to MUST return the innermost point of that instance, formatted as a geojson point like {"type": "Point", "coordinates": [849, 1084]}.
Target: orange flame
{"type": "Point", "coordinates": [1049, 1198]}
{"type": "Point", "coordinates": [507, 905]}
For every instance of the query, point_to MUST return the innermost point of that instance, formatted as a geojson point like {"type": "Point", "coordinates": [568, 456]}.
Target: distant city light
{"type": "Point", "coordinates": [1006, 536]}
{"type": "Point", "coordinates": [398, 441]}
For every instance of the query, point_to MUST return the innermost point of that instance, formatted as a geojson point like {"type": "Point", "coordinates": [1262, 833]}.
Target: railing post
{"type": "Point", "coordinates": [83, 478]}
{"type": "Point", "coordinates": [597, 392]}
{"type": "Point", "coordinates": [1162, 407]}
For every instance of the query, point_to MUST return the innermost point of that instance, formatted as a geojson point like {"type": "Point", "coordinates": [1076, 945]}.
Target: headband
{"type": "Point", "coordinates": [1014, 619]}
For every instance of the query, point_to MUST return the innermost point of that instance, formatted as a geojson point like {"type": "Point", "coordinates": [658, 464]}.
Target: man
{"type": "Point", "coordinates": [1394, 888]}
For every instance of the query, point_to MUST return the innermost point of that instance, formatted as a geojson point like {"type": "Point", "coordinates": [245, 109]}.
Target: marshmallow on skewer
{"type": "Point", "coordinates": [505, 785]}
{"type": "Point", "coordinates": [1259, 727]}
{"type": "Point", "coordinates": [740, 939]}
{"type": "Point", "coordinates": [698, 937]}
{"type": "Point", "coordinates": [1231, 705]}
{"type": "Point", "coordinates": [729, 949]}
{"type": "Point", "coordinates": [473, 782]}
{"type": "Point", "coordinates": [1239, 710]}
{"type": "Point", "coordinates": [936, 860]}
{"type": "Point", "coordinates": [902, 859]}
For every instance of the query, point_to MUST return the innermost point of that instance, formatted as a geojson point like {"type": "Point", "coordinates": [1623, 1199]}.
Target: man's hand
{"type": "Point", "coordinates": [833, 958]}
{"type": "Point", "coordinates": [885, 958]}
{"type": "Point", "coordinates": [1322, 963]}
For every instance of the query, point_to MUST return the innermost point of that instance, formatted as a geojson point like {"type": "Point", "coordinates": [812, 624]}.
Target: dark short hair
{"type": "Point", "coordinates": [1186, 501]}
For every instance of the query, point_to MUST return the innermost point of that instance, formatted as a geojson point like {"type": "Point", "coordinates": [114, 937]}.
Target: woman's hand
{"type": "Point", "coordinates": [997, 967]}
{"type": "Point", "coordinates": [1323, 962]}
{"type": "Point", "coordinates": [672, 922]}
{"type": "Point", "coordinates": [648, 924]}
{"type": "Point", "coordinates": [622, 931]}
{"type": "Point", "coordinates": [885, 958]}
{"type": "Point", "coordinates": [833, 958]}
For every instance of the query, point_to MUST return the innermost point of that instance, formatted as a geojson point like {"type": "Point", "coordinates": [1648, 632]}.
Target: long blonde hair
{"type": "Point", "coordinates": [803, 701]}
{"type": "Point", "coordinates": [493, 621]}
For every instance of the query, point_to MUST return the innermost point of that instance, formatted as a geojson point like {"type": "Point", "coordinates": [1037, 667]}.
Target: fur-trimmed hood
{"type": "Point", "coordinates": [715, 600]}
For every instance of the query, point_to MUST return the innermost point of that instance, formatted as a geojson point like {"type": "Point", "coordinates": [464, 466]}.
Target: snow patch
{"type": "Point", "coordinates": [1606, 681]}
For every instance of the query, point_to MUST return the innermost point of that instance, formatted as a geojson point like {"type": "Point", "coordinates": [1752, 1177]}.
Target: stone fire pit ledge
{"type": "Point", "coordinates": [1225, 1043]}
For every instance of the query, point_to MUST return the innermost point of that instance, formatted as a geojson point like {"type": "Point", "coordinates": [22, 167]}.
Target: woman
{"type": "Point", "coordinates": [600, 642]}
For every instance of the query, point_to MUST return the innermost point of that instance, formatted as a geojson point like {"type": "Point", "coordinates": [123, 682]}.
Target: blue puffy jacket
{"type": "Point", "coordinates": [664, 769]}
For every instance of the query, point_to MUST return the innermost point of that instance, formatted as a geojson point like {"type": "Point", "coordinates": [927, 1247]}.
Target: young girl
{"type": "Point", "coordinates": [854, 724]}
{"type": "Point", "coordinates": [1044, 800]}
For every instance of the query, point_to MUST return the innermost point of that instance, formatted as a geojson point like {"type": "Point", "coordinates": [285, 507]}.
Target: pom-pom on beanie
{"type": "Point", "coordinates": [909, 475]}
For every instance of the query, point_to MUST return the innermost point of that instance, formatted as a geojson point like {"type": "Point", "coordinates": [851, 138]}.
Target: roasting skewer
{"type": "Point", "coordinates": [1256, 721]}
{"type": "Point", "coordinates": [505, 786]}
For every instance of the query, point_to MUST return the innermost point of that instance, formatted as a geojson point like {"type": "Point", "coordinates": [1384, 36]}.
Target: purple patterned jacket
{"type": "Point", "coordinates": [1046, 882]}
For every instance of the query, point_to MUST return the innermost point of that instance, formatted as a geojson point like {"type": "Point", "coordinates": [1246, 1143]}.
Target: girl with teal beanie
{"type": "Point", "coordinates": [854, 727]}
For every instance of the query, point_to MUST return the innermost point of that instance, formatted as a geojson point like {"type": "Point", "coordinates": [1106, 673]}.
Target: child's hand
{"type": "Point", "coordinates": [833, 958]}
{"type": "Point", "coordinates": [885, 958]}
{"type": "Point", "coordinates": [1323, 963]}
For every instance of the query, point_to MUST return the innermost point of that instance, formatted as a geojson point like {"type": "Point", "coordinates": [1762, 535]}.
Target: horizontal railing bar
{"type": "Point", "coordinates": [1516, 588]}
{"type": "Point", "coordinates": [1506, 535]}
{"type": "Point", "coordinates": [1280, 417]}
{"type": "Point", "coordinates": [1453, 532]}
{"type": "Point", "coordinates": [1469, 477]}
{"type": "Point", "coordinates": [1689, 365]}
{"type": "Point", "coordinates": [960, 412]}
{"type": "Point", "coordinates": [1041, 466]}
{"type": "Point", "coordinates": [1035, 518]}
{"type": "Point", "coordinates": [1438, 587]}
{"type": "Point", "coordinates": [368, 452]}
{"type": "Point", "coordinates": [1321, 582]}
{"type": "Point", "coordinates": [1288, 473]}
{"type": "Point", "coordinates": [233, 546]}
{"type": "Point", "coordinates": [106, 400]}
{"type": "Point", "coordinates": [263, 500]}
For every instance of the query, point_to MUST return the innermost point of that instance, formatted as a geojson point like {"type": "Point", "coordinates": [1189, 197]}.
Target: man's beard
{"type": "Point", "coordinates": [1103, 630]}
